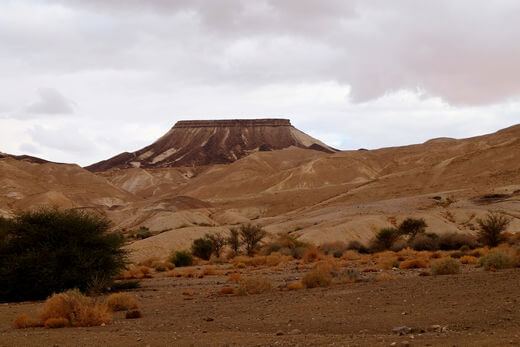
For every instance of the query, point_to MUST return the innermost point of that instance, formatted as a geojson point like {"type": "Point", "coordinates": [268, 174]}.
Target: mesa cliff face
{"type": "Point", "coordinates": [205, 142]}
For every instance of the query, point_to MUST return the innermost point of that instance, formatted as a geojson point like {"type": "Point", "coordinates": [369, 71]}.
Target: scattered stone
{"type": "Point", "coordinates": [403, 313]}
{"type": "Point", "coordinates": [434, 328]}
{"type": "Point", "coordinates": [295, 332]}
{"type": "Point", "coordinates": [209, 319]}
{"type": "Point", "coordinates": [393, 344]}
{"type": "Point", "coordinates": [402, 330]}
{"type": "Point", "coordinates": [279, 333]}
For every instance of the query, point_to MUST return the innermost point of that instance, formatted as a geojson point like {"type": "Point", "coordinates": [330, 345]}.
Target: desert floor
{"type": "Point", "coordinates": [474, 308]}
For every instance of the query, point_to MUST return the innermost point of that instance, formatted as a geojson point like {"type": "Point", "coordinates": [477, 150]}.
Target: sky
{"type": "Point", "coordinates": [81, 81]}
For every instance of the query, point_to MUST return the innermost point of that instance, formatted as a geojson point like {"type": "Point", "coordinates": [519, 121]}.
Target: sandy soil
{"type": "Point", "coordinates": [477, 308]}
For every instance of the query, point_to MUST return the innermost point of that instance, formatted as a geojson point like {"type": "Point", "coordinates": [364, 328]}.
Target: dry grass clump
{"type": "Point", "coordinates": [347, 276]}
{"type": "Point", "coordinates": [135, 272]}
{"type": "Point", "coordinates": [446, 266]}
{"type": "Point", "coordinates": [321, 275]}
{"type": "Point", "coordinates": [312, 254]}
{"type": "Point", "coordinates": [296, 285]}
{"type": "Point", "coordinates": [188, 273]}
{"type": "Point", "coordinates": [209, 271]}
{"type": "Point", "coordinates": [53, 323]}
{"type": "Point", "coordinates": [336, 249]}
{"type": "Point", "coordinates": [468, 259]}
{"type": "Point", "coordinates": [414, 264]}
{"type": "Point", "coordinates": [351, 255]}
{"type": "Point", "coordinates": [275, 259]}
{"type": "Point", "coordinates": [78, 309]}
{"type": "Point", "coordinates": [242, 261]}
{"type": "Point", "coordinates": [234, 277]}
{"type": "Point", "coordinates": [23, 321]}
{"type": "Point", "coordinates": [164, 266]}
{"type": "Point", "coordinates": [254, 285]}
{"type": "Point", "coordinates": [436, 255]}
{"type": "Point", "coordinates": [227, 290]}
{"type": "Point", "coordinates": [121, 302]}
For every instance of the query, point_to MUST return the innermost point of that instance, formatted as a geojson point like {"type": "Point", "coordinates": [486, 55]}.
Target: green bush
{"type": "Point", "coordinates": [50, 251]}
{"type": "Point", "coordinates": [496, 261]}
{"type": "Point", "coordinates": [492, 228]}
{"type": "Point", "coordinates": [182, 258]}
{"type": "Point", "coordinates": [202, 248]}
{"type": "Point", "coordinates": [447, 266]}
{"type": "Point", "coordinates": [233, 240]}
{"type": "Point", "coordinates": [217, 243]}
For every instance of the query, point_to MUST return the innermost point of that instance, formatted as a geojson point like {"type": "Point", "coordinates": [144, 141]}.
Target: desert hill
{"type": "Point", "coordinates": [315, 195]}
{"type": "Point", "coordinates": [196, 143]}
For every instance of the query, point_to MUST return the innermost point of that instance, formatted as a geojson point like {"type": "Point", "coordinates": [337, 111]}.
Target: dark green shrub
{"type": "Point", "coordinates": [251, 235]}
{"type": "Point", "coordinates": [424, 242]}
{"type": "Point", "coordinates": [454, 241]}
{"type": "Point", "coordinates": [385, 238]}
{"type": "Point", "coordinates": [492, 228]}
{"type": "Point", "coordinates": [182, 258]}
{"type": "Point", "coordinates": [202, 248]}
{"type": "Point", "coordinates": [497, 261]}
{"type": "Point", "coordinates": [412, 227]}
{"type": "Point", "coordinates": [49, 251]}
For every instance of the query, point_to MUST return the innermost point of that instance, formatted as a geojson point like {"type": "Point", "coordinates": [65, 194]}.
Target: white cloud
{"type": "Point", "coordinates": [355, 73]}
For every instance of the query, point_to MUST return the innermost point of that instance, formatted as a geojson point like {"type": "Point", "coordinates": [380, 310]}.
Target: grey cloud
{"type": "Point", "coordinates": [51, 102]}
{"type": "Point", "coordinates": [66, 139]}
{"type": "Point", "coordinates": [29, 148]}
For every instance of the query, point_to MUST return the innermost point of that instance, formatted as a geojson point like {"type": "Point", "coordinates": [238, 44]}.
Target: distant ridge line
{"type": "Point", "coordinates": [226, 123]}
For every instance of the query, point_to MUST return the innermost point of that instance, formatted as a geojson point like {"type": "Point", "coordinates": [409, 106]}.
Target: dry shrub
{"type": "Point", "coordinates": [188, 292]}
{"type": "Point", "coordinates": [335, 248]}
{"type": "Point", "coordinates": [208, 271]}
{"type": "Point", "coordinates": [259, 260]}
{"type": "Point", "coordinates": [497, 260]}
{"type": "Point", "coordinates": [347, 276]}
{"type": "Point", "coordinates": [234, 277]}
{"type": "Point", "coordinates": [317, 278]}
{"type": "Point", "coordinates": [150, 262]}
{"type": "Point", "coordinates": [133, 314]}
{"type": "Point", "coordinates": [383, 276]}
{"type": "Point", "coordinates": [227, 290]}
{"type": "Point", "coordinates": [247, 261]}
{"type": "Point", "coordinates": [79, 309]}
{"type": "Point", "coordinates": [274, 259]}
{"type": "Point", "coordinates": [468, 259]}
{"type": "Point", "coordinates": [53, 323]}
{"type": "Point", "coordinates": [414, 264]}
{"type": "Point", "coordinates": [162, 267]}
{"type": "Point", "coordinates": [436, 255]}
{"type": "Point", "coordinates": [24, 321]}
{"type": "Point", "coordinates": [174, 273]}
{"type": "Point", "coordinates": [424, 243]}
{"type": "Point", "coordinates": [121, 302]}
{"type": "Point", "coordinates": [407, 253]}
{"type": "Point", "coordinates": [188, 273]}
{"type": "Point", "coordinates": [328, 266]}
{"type": "Point", "coordinates": [446, 266]}
{"type": "Point", "coordinates": [312, 254]}
{"type": "Point", "coordinates": [254, 285]}
{"type": "Point", "coordinates": [302, 267]}
{"type": "Point", "coordinates": [295, 285]}
{"type": "Point", "coordinates": [351, 255]}
{"type": "Point", "coordinates": [453, 241]}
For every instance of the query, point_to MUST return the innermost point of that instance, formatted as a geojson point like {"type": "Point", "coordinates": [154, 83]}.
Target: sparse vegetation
{"type": "Point", "coordinates": [121, 302]}
{"type": "Point", "coordinates": [202, 248]}
{"type": "Point", "coordinates": [451, 241]}
{"type": "Point", "coordinates": [217, 243]}
{"type": "Point", "coordinates": [385, 239]}
{"type": "Point", "coordinates": [446, 266]}
{"type": "Point", "coordinates": [491, 229]}
{"type": "Point", "coordinates": [254, 285]}
{"type": "Point", "coordinates": [233, 240]}
{"type": "Point", "coordinates": [52, 250]}
{"type": "Point", "coordinates": [251, 235]}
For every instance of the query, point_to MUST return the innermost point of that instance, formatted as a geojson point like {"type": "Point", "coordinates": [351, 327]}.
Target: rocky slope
{"type": "Point", "coordinates": [196, 143]}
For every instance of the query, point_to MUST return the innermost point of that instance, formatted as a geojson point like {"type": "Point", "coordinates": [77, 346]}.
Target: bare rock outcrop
{"type": "Point", "coordinates": [206, 142]}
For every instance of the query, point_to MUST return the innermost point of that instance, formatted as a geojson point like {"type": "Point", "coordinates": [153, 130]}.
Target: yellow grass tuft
{"type": "Point", "coordinates": [312, 254]}
{"type": "Point", "coordinates": [414, 264]}
{"type": "Point", "coordinates": [254, 285]}
{"type": "Point", "coordinates": [23, 321]}
{"type": "Point", "coordinates": [468, 259]}
{"type": "Point", "coordinates": [227, 290]}
{"type": "Point", "coordinates": [296, 285]}
{"type": "Point", "coordinates": [121, 302]}
{"type": "Point", "coordinates": [234, 277]}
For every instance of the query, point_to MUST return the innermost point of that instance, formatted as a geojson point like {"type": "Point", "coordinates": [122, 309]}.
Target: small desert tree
{"type": "Point", "coordinates": [217, 243]}
{"type": "Point", "coordinates": [412, 227]}
{"type": "Point", "coordinates": [386, 237]}
{"type": "Point", "coordinates": [233, 239]}
{"type": "Point", "coordinates": [251, 235]}
{"type": "Point", "coordinates": [49, 251]}
{"type": "Point", "coordinates": [492, 228]}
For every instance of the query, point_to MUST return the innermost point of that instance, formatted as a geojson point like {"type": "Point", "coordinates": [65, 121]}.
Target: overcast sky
{"type": "Point", "coordinates": [81, 81]}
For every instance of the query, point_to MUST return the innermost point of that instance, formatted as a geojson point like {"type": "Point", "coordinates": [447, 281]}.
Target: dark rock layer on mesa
{"type": "Point", "coordinates": [206, 142]}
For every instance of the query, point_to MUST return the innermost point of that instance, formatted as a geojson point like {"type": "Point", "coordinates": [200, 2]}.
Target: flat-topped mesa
{"type": "Point", "coordinates": [226, 123]}
{"type": "Point", "coordinates": [206, 142]}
